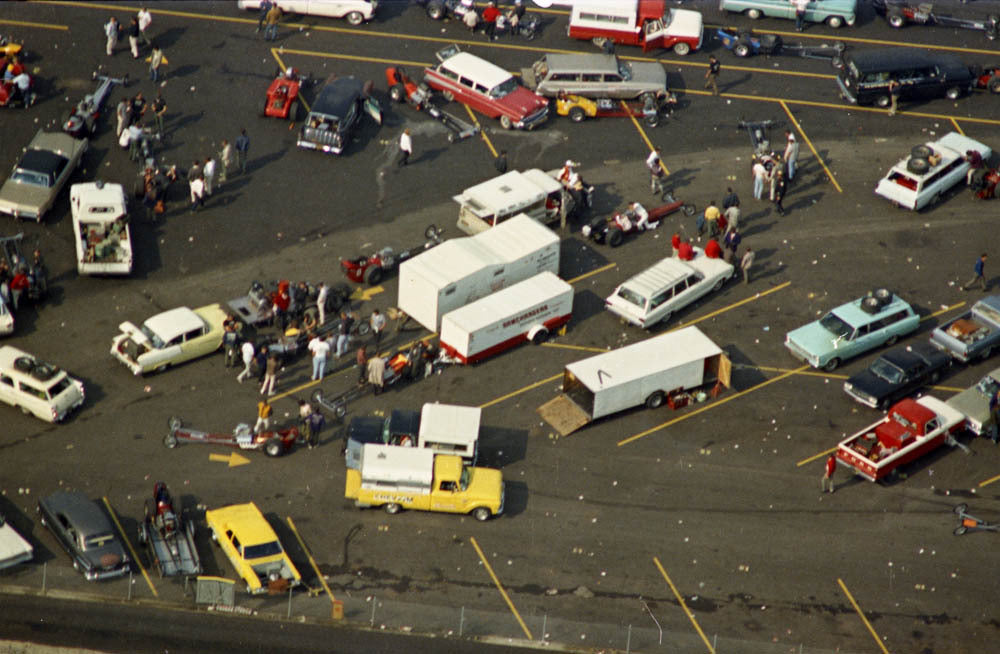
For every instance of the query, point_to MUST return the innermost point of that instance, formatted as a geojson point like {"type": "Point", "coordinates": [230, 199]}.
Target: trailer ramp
{"type": "Point", "coordinates": [564, 415]}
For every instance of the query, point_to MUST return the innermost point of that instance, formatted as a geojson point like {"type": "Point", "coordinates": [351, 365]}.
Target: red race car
{"type": "Point", "coordinates": [988, 77]}
{"type": "Point", "coordinates": [373, 268]}
{"type": "Point", "coordinates": [273, 443]}
{"type": "Point", "coordinates": [283, 95]}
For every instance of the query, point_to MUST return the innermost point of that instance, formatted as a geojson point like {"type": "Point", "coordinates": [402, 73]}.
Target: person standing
{"type": "Point", "coordinates": [270, 375]}
{"type": "Point", "coordinates": [197, 186]}
{"type": "Point", "coordinates": [111, 31]}
{"type": "Point", "coordinates": [208, 170]}
{"type": "Point", "coordinates": [517, 16]}
{"type": "Point", "coordinates": [322, 293]}
{"type": "Point", "coordinates": [194, 171]}
{"type": "Point", "coordinates": [155, 61]}
{"type": "Point", "coordinates": [376, 373]}
{"type": "Point", "coordinates": [242, 149]}
{"type": "Point", "coordinates": [732, 216]}
{"type": "Point", "coordinates": [826, 483]}
{"type": "Point", "coordinates": [133, 37]}
{"type": "Point", "coordinates": [655, 168]}
{"type": "Point", "coordinates": [159, 108]}
{"type": "Point", "coordinates": [675, 244]}
{"type": "Point", "coordinates": [490, 15]}
{"type": "Point", "coordinates": [122, 112]}
{"type": "Point", "coordinates": [800, 14]}
{"type": "Point", "coordinates": [894, 90]}
{"type": "Point", "coordinates": [731, 198]}
{"type": "Point", "coordinates": [226, 162]}
{"type": "Point", "coordinates": [711, 220]}
{"type": "Point", "coordinates": [231, 342]}
{"type": "Point", "coordinates": [377, 322]}
{"type": "Point", "coordinates": [306, 423]}
{"type": "Point", "coordinates": [263, 423]}
{"type": "Point", "coordinates": [779, 187]}
{"type": "Point", "coordinates": [980, 269]}
{"type": "Point", "coordinates": [344, 333]}
{"type": "Point", "coordinates": [759, 177]}
{"type": "Point", "coordinates": [746, 263]}
{"type": "Point", "coordinates": [405, 148]}
{"type": "Point", "coordinates": [712, 74]}
{"type": "Point", "coordinates": [470, 19]}
{"type": "Point", "coordinates": [265, 7]}
{"type": "Point", "coordinates": [732, 241]}
{"type": "Point", "coordinates": [320, 350]}
{"type": "Point", "coordinates": [500, 163]}
{"type": "Point", "coordinates": [272, 18]}
{"type": "Point", "coordinates": [361, 359]}
{"type": "Point", "coordinates": [145, 20]}
{"type": "Point", "coordinates": [791, 154]}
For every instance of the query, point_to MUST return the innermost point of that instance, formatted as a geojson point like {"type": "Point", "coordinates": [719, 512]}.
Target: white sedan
{"type": "Point", "coordinates": [14, 548]}
{"type": "Point", "coordinates": [656, 293]}
{"type": "Point", "coordinates": [169, 338]}
{"type": "Point", "coordinates": [355, 11]}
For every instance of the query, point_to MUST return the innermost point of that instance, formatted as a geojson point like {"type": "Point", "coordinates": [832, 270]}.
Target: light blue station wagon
{"type": "Point", "coordinates": [834, 13]}
{"type": "Point", "coordinates": [876, 319]}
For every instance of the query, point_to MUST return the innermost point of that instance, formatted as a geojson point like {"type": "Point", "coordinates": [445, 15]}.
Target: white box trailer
{"type": "Point", "coordinates": [526, 311]}
{"type": "Point", "coordinates": [450, 429]}
{"type": "Point", "coordinates": [462, 270]}
{"type": "Point", "coordinates": [648, 372]}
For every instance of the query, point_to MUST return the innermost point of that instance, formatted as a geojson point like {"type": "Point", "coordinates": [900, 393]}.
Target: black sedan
{"type": "Point", "coordinates": [897, 373]}
{"type": "Point", "coordinates": [400, 428]}
{"type": "Point", "coordinates": [85, 532]}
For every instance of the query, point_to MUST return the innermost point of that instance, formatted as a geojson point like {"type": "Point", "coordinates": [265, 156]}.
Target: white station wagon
{"type": "Point", "coordinates": [921, 179]}
{"type": "Point", "coordinates": [656, 293]}
{"type": "Point", "coordinates": [36, 387]}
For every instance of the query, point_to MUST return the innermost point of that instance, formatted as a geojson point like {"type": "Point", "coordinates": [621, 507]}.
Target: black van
{"type": "Point", "coordinates": [866, 75]}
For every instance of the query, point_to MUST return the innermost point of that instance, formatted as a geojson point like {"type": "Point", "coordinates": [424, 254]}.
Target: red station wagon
{"type": "Point", "coordinates": [487, 88]}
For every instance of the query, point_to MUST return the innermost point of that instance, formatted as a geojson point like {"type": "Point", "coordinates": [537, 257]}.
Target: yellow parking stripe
{"type": "Point", "coordinates": [128, 543]}
{"type": "Point", "coordinates": [957, 128]}
{"type": "Point", "coordinates": [591, 273]}
{"type": "Point", "coordinates": [319, 575]}
{"type": "Point", "coordinates": [642, 133]}
{"type": "Point", "coordinates": [815, 456]}
{"type": "Point", "coordinates": [801, 131]}
{"type": "Point", "coordinates": [862, 616]}
{"type": "Point", "coordinates": [684, 606]}
{"type": "Point", "coordinates": [989, 481]}
{"type": "Point", "coordinates": [713, 405]}
{"type": "Point", "coordinates": [582, 348]}
{"type": "Point", "coordinates": [503, 593]}
{"type": "Point", "coordinates": [520, 390]}
{"type": "Point", "coordinates": [44, 26]}
{"type": "Point", "coordinates": [482, 132]}
{"type": "Point", "coordinates": [752, 298]}
{"type": "Point", "coordinates": [943, 310]}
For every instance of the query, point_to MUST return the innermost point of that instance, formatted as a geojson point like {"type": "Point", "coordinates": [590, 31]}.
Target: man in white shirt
{"type": "Point", "coordinates": [655, 171]}
{"type": "Point", "coordinates": [324, 292]}
{"type": "Point", "coordinates": [145, 20]}
{"type": "Point", "coordinates": [405, 148]}
{"type": "Point", "coordinates": [800, 13]}
{"type": "Point", "coordinates": [320, 350]}
{"type": "Point", "coordinates": [641, 215]}
{"type": "Point", "coordinates": [791, 154]}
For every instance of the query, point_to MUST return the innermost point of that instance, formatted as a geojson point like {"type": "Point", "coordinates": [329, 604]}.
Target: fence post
{"type": "Point", "coordinates": [545, 621]}
{"type": "Point", "coordinates": [289, 602]}
{"type": "Point", "coordinates": [628, 640]}
{"type": "Point", "coordinates": [130, 580]}
{"type": "Point", "coordinates": [374, 601]}
{"type": "Point", "coordinates": [45, 569]}
{"type": "Point", "coordinates": [461, 622]}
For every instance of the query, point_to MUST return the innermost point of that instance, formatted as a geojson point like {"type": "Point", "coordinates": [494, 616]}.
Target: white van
{"type": "Point", "coordinates": [656, 293]}
{"type": "Point", "coordinates": [37, 387]}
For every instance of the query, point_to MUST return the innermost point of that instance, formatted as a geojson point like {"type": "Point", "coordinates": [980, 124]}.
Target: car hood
{"type": "Point", "coordinates": [17, 195]}
{"type": "Point", "coordinates": [972, 403]}
{"type": "Point", "coordinates": [647, 73]}
{"type": "Point", "coordinates": [523, 102]}
{"type": "Point", "coordinates": [685, 23]}
{"type": "Point", "coordinates": [871, 384]}
{"type": "Point", "coordinates": [813, 339]}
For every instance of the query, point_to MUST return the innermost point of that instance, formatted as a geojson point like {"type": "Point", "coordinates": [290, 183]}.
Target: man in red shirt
{"type": "Point", "coordinates": [18, 285]}
{"type": "Point", "coordinates": [490, 15]}
{"type": "Point", "coordinates": [712, 249]}
{"type": "Point", "coordinates": [684, 251]}
{"type": "Point", "coordinates": [831, 465]}
{"type": "Point", "coordinates": [675, 242]}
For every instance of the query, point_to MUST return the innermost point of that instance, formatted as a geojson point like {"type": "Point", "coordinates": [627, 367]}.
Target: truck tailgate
{"type": "Point", "coordinates": [564, 415]}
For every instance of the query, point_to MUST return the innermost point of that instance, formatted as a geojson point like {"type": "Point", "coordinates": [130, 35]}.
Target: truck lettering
{"type": "Point", "coordinates": [399, 499]}
{"type": "Point", "coordinates": [526, 315]}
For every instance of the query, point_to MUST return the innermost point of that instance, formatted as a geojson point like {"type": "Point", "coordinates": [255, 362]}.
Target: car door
{"type": "Point", "coordinates": [445, 499]}
{"type": "Point", "coordinates": [697, 286]}
{"type": "Point", "coordinates": [681, 295]}
{"type": "Point", "coordinates": [659, 304]}
{"type": "Point", "coordinates": [654, 34]}
{"type": "Point", "coordinates": [196, 343]}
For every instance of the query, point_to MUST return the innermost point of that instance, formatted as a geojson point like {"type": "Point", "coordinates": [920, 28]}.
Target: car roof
{"type": "Point", "coordinates": [908, 355]}
{"type": "Point", "coordinates": [476, 68]}
{"type": "Point", "coordinates": [173, 323]}
{"type": "Point", "coordinates": [84, 513]}
{"type": "Point", "coordinates": [855, 316]}
{"type": "Point", "coordinates": [896, 58]}
{"type": "Point", "coordinates": [42, 161]}
{"type": "Point", "coordinates": [671, 270]}
{"type": "Point", "coordinates": [247, 522]}
{"type": "Point", "coordinates": [583, 63]}
{"type": "Point", "coordinates": [59, 142]}
{"type": "Point", "coordinates": [338, 96]}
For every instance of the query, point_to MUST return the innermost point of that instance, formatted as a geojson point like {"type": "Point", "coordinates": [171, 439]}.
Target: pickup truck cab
{"type": "Point", "coordinates": [974, 403]}
{"type": "Point", "coordinates": [101, 226]}
{"type": "Point", "coordinates": [647, 23]}
{"type": "Point", "coordinates": [397, 478]}
{"type": "Point", "coordinates": [877, 319]}
{"type": "Point", "coordinates": [442, 428]}
{"type": "Point", "coordinates": [486, 88]}
{"type": "Point", "coordinates": [974, 334]}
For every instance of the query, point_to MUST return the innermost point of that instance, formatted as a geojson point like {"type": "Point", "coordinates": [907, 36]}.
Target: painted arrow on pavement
{"type": "Point", "coordinates": [365, 294]}
{"type": "Point", "coordinates": [234, 459]}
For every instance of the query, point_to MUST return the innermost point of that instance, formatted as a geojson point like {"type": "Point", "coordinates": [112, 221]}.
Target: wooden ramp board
{"type": "Point", "coordinates": [564, 415]}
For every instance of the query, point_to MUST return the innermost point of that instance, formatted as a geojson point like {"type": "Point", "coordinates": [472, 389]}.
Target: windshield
{"type": "Point", "coordinates": [887, 371]}
{"type": "Point", "coordinates": [988, 386]}
{"type": "Point", "coordinates": [504, 88]}
{"type": "Point", "coordinates": [668, 16]}
{"type": "Point", "coordinates": [156, 341]}
{"type": "Point", "coordinates": [262, 550]}
{"type": "Point", "coordinates": [631, 297]}
{"type": "Point", "coordinates": [835, 325]}
{"type": "Point", "coordinates": [29, 177]}
{"type": "Point", "coordinates": [463, 481]}
{"type": "Point", "coordinates": [100, 540]}
{"type": "Point", "coordinates": [625, 70]}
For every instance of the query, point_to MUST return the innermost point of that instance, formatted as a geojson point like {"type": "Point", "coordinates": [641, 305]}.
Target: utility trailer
{"type": "Point", "coordinates": [655, 371]}
{"type": "Point", "coordinates": [744, 43]}
{"type": "Point", "coordinates": [462, 270]}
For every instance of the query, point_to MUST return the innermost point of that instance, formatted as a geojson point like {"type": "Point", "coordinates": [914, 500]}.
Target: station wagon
{"type": "Point", "coordinates": [834, 13]}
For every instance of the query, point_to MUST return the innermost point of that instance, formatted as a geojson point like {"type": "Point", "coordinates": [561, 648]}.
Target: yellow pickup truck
{"type": "Point", "coordinates": [398, 478]}
{"type": "Point", "coordinates": [253, 548]}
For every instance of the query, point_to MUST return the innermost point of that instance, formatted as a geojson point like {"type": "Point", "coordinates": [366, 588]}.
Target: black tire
{"type": "Point", "coordinates": [921, 151]}
{"type": "Point", "coordinates": [870, 305]}
{"type": "Point", "coordinates": [719, 284]}
{"type": "Point", "coordinates": [392, 508]}
{"type": "Point", "coordinates": [896, 19]}
{"type": "Point", "coordinates": [540, 336]}
{"type": "Point", "coordinates": [918, 165]}
{"type": "Point", "coordinates": [889, 342]}
{"type": "Point", "coordinates": [432, 232]}
{"type": "Point", "coordinates": [363, 328]}
{"type": "Point", "coordinates": [174, 423]}
{"type": "Point", "coordinates": [273, 447]}
{"type": "Point", "coordinates": [340, 409]}
{"type": "Point", "coordinates": [436, 10]}
{"type": "Point", "coordinates": [961, 508]}
{"type": "Point", "coordinates": [293, 111]}
{"type": "Point", "coordinates": [741, 50]}
{"type": "Point", "coordinates": [655, 400]}
{"type": "Point", "coordinates": [355, 18]}
{"type": "Point", "coordinates": [953, 92]}
{"type": "Point", "coordinates": [577, 115]}
{"type": "Point", "coordinates": [143, 535]}
{"type": "Point", "coordinates": [665, 318]}
{"type": "Point", "coordinates": [24, 364]}
{"type": "Point", "coordinates": [688, 209]}
{"type": "Point", "coordinates": [482, 514]}
{"type": "Point", "coordinates": [832, 364]}
{"type": "Point", "coordinates": [170, 441]}
{"type": "Point", "coordinates": [994, 84]}
{"type": "Point", "coordinates": [682, 48]}
{"type": "Point", "coordinates": [615, 237]}
{"type": "Point", "coordinates": [317, 396]}
{"type": "Point", "coordinates": [883, 295]}
{"type": "Point", "coordinates": [448, 95]}
{"type": "Point", "coordinates": [960, 530]}
{"type": "Point", "coordinates": [397, 93]}
{"type": "Point", "coordinates": [373, 275]}
{"type": "Point", "coordinates": [935, 377]}
{"type": "Point", "coordinates": [837, 62]}
{"type": "Point", "coordinates": [883, 101]}
{"type": "Point", "coordinates": [987, 352]}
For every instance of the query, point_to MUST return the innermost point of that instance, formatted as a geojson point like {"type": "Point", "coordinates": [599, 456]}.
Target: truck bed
{"type": "Point", "coordinates": [974, 333]}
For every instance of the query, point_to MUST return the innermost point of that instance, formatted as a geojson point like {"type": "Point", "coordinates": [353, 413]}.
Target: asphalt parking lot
{"type": "Point", "coordinates": [706, 523]}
